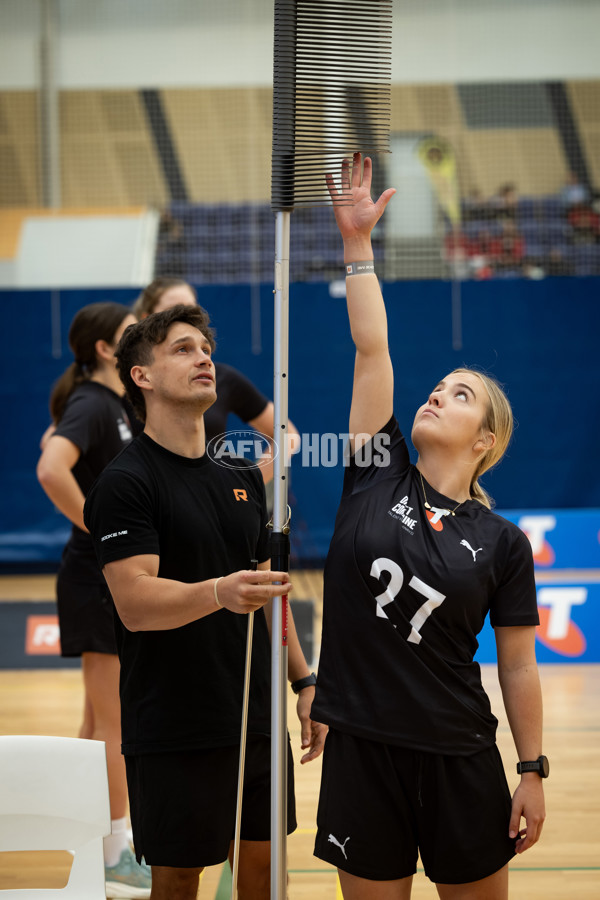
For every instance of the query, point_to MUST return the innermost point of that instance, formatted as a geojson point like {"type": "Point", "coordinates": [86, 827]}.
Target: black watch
{"type": "Point", "coordinates": [539, 765]}
{"type": "Point", "coordinates": [307, 681]}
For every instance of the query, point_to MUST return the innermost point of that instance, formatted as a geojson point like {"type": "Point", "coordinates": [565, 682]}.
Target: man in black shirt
{"type": "Point", "coordinates": [175, 533]}
{"type": "Point", "coordinates": [236, 394]}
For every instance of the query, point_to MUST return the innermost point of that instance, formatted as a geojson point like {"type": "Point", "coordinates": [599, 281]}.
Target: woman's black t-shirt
{"type": "Point", "coordinates": [96, 422]}
{"type": "Point", "coordinates": [407, 591]}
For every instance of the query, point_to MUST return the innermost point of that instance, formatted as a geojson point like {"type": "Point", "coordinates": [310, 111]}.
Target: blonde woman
{"type": "Point", "coordinates": [416, 563]}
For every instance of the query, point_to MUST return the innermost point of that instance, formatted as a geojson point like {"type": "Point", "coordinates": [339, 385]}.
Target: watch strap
{"type": "Point", "coordinates": [307, 681]}
{"type": "Point", "coordinates": [539, 765]}
{"type": "Point", "coordinates": [531, 765]}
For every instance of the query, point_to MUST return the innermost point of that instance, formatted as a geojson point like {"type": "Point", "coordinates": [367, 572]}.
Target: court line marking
{"type": "Point", "coordinates": [224, 886]}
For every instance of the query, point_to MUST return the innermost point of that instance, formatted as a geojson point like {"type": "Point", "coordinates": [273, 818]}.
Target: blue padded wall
{"type": "Point", "coordinates": [539, 338]}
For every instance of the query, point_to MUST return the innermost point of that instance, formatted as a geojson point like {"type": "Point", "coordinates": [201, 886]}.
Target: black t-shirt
{"type": "Point", "coordinates": [407, 591]}
{"type": "Point", "coordinates": [235, 394]}
{"type": "Point", "coordinates": [96, 422]}
{"type": "Point", "coordinates": [182, 688]}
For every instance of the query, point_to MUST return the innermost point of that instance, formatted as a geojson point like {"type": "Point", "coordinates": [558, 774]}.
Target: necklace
{"type": "Point", "coordinates": [447, 512]}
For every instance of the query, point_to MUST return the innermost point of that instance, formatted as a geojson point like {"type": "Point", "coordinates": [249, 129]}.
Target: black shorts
{"type": "Point", "coordinates": [183, 805]}
{"type": "Point", "coordinates": [381, 805]}
{"type": "Point", "coordinates": [85, 617]}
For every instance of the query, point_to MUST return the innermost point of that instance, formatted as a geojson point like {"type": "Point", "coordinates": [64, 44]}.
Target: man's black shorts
{"type": "Point", "coordinates": [381, 805]}
{"type": "Point", "coordinates": [183, 804]}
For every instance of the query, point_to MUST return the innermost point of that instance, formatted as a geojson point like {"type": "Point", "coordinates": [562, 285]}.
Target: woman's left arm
{"type": "Point", "coordinates": [312, 734]}
{"type": "Point", "coordinates": [522, 695]}
{"type": "Point", "coordinates": [55, 474]}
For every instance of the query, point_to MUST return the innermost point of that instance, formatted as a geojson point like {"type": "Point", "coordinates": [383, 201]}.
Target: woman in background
{"type": "Point", "coordinates": [90, 427]}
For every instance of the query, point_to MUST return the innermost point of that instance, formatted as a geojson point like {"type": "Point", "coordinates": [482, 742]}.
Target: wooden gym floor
{"type": "Point", "coordinates": [564, 865]}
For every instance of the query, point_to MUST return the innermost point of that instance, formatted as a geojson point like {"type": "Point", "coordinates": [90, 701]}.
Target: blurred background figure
{"type": "Point", "coordinates": [573, 193]}
{"type": "Point", "coordinates": [90, 427]}
{"type": "Point", "coordinates": [504, 203]}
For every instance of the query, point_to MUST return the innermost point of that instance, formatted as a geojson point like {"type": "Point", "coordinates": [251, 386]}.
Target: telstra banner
{"type": "Point", "coordinates": [566, 551]}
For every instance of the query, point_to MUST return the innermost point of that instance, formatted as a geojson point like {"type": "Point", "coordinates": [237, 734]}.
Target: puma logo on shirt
{"type": "Point", "coordinates": [468, 546]}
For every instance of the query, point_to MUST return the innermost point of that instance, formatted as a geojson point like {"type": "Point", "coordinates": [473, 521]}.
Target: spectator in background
{"type": "Point", "coordinates": [475, 207]}
{"type": "Point", "coordinates": [487, 253]}
{"type": "Point", "coordinates": [458, 249]}
{"type": "Point", "coordinates": [504, 203]}
{"type": "Point", "coordinates": [573, 192]}
{"type": "Point", "coordinates": [585, 224]}
{"type": "Point", "coordinates": [484, 252]}
{"type": "Point", "coordinates": [510, 248]}
{"type": "Point", "coordinates": [172, 245]}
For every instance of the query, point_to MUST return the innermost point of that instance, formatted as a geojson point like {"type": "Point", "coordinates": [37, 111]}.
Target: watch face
{"type": "Point", "coordinates": [544, 766]}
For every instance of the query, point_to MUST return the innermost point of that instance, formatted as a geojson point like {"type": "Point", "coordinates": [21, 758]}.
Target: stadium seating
{"type": "Point", "coordinates": [229, 244]}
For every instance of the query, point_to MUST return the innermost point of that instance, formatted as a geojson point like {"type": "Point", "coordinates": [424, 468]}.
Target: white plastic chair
{"type": "Point", "coordinates": [54, 796]}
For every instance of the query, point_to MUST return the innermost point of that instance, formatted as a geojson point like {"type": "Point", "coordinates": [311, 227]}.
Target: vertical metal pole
{"type": "Point", "coordinates": [279, 640]}
{"type": "Point", "coordinates": [48, 108]}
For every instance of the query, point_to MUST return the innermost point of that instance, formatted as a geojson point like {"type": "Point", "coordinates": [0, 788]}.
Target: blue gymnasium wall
{"type": "Point", "coordinates": [539, 338]}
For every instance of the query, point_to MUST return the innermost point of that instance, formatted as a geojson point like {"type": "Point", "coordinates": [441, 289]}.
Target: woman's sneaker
{"type": "Point", "coordinates": [128, 880]}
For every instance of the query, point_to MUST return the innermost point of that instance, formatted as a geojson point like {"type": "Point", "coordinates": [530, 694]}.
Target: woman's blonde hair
{"type": "Point", "coordinates": [148, 300]}
{"type": "Point", "coordinates": [498, 420]}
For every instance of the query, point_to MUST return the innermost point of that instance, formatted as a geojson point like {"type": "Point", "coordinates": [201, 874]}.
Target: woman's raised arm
{"type": "Point", "coordinates": [356, 215]}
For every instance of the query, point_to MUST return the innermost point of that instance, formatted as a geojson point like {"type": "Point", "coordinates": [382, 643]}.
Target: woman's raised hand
{"type": "Point", "coordinates": [355, 212]}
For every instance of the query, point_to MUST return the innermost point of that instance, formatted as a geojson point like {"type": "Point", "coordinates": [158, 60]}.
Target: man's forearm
{"type": "Point", "coordinates": [150, 603]}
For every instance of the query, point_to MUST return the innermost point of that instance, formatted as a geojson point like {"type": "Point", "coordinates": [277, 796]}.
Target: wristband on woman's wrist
{"type": "Point", "coordinates": [364, 267]}
{"type": "Point", "coordinates": [301, 683]}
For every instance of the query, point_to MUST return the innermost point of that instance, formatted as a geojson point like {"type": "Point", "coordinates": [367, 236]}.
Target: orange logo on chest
{"type": "Point", "coordinates": [435, 516]}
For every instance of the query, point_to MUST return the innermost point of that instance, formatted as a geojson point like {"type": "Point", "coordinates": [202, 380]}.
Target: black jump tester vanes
{"type": "Point", "coordinates": [331, 98]}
